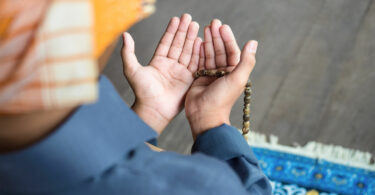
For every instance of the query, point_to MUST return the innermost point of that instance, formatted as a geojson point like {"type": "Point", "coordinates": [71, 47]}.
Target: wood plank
{"type": "Point", "coordinates": [297, 112]}
{"type": "Point", "coordinates": [348, 119]}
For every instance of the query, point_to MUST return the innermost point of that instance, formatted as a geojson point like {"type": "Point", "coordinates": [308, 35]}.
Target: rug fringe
{"type": "Point", "coordinates": [328, 152]}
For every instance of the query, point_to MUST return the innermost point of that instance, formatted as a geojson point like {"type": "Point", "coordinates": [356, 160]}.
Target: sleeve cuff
{"type": "Point", "coordinates": [224, 142]}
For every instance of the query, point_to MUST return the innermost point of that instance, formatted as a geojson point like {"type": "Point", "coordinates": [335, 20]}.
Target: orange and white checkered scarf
{"type": "Point", "coordinates": [49, 49]}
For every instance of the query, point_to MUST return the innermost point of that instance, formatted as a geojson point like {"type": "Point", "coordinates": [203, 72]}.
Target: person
{"type": "Point", "coordinates": [100, 148]}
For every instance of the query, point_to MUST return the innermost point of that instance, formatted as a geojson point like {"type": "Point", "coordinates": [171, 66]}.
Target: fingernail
{"type": "Point", "coordinates": [124, 35]}
{"type": "Point", "coordinates": [253, 47]}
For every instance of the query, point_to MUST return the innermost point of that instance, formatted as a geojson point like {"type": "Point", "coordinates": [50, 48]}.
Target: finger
{"type": "Point", "coordinates": [242, 72]}
{"type": "Point", "coordinates": [166, 41]}
{"type": "Point", "coordinates": [202, 57]}
{"type": "Point", "coordinates": [231, 47]}
{"type": "Point", "coordinates": [179, 39]}
{"type": "Point", "coordinates": [189, 43]}
{"type": "Point", "coordinates": [129, 59]}
{"type": "Point", "coordinates": [220, 54]}
{"type": "Point", "coordinates": [209, 49]}
{"type": "Point", "coordinates": [194, 62]}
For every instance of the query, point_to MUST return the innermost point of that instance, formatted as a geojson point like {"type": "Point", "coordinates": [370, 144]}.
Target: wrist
{"type": "Point", "coordinates": [150, 116]}
{"type": "Point", "coordinates": [202, 122]}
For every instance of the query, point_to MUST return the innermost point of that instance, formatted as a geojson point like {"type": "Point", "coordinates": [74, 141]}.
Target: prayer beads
{"type": "Point", "coordinates": [210, 73]}
{"type": "Point", "coordinates": [247, 97]}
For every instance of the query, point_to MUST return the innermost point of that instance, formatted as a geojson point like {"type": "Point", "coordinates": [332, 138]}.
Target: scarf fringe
{"type": "Point", "coordinates": [148, 8]}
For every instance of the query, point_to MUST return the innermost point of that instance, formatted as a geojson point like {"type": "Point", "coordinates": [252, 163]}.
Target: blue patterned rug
{"type": "Point", "coordinates": [315, 168]}
{"type": "Point", "coordinates": [286, 189]}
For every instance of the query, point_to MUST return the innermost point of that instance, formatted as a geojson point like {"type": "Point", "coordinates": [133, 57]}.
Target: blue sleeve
{"type": "Point", "coordinates": [227, 144]}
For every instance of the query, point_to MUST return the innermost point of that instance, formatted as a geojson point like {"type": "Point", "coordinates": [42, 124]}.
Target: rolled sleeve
{"type": "Point", "coordinates": [227, 144]}
{"type": "Point", "coordinates": [224, 142]}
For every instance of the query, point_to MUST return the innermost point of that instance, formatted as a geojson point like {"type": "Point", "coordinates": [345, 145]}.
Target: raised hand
{"type": "Point", "coordinates": [160, 87]}
{"type": "Point", "coordinates": [210, 100]}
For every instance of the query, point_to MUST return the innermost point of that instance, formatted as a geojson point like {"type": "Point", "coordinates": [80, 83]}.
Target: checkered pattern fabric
{"type": "Point", "coordinates": [49, 49]}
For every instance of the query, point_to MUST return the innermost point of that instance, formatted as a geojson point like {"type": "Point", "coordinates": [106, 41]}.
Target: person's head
{"type": "Point", "coordinates": [50, 50]}
{"type": "Point", "coordinates": [51, 53]}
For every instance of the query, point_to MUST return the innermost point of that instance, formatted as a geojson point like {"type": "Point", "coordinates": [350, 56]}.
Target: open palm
{"type": "Point", "coordinates": [210, 100]}
{"type": "Point", "coordinates": [161, 86]}
{"type": "Point", "coordinates": [219, 51]}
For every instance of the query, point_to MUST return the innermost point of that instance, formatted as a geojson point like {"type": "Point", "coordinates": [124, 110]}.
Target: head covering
{"type": "Point", "coordinates": [49, 49]}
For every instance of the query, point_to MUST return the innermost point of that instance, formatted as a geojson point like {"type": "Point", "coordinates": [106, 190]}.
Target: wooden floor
{"type": "Point", "coordinates": [315, 72]}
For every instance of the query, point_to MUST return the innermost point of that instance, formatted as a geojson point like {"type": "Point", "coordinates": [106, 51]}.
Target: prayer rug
{"type": "Point", "coordinates": [314, 169]}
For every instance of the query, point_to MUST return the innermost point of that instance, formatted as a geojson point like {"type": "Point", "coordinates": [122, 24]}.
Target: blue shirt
{"type": "Point", "coordinates": [100, 149]}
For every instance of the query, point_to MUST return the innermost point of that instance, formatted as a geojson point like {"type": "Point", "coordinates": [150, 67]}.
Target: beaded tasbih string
{"type": "Point", "coordinates": [247, 98]}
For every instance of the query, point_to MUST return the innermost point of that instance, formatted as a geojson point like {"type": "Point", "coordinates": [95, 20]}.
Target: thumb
{"type": "Point", "coordinates": [242, 71]}
{"type": "Point", "coordinates": [129, 59]}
